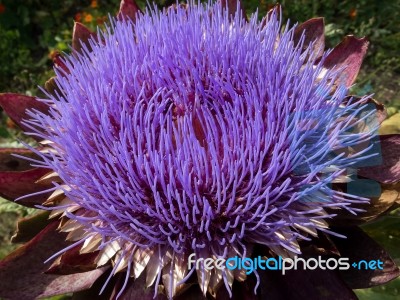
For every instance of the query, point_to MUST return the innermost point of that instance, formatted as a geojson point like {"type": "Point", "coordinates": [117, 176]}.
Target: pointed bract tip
{"type": "Point", "coordinates": [348, 56]}
{"type": "Point", "coordinates": [16, 106]}
{"type": "Point", "coordinates": [233, 6]}
{"type": "Point", "coordinates": [81, 36]}
{"type": "Point", "coordinates": [314, 33]}
{"type": "Point", "coordinates": [128, 9]}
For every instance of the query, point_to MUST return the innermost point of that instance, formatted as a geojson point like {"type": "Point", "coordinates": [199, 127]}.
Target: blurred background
{"type": "Point", "coordinates": [33, 31]}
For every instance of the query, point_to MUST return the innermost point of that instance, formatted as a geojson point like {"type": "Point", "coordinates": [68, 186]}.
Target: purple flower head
{"type": "Point", "coordinates": [194, 131]}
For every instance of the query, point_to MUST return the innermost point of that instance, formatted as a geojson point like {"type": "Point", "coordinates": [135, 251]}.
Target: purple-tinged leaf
{"type": "Point", "coordinates": [59, 64]}
{"type": "Point", "coordinates": [8, 162]}
{"type": "Point", "coordinates": [380, 113]}
{"type": "Point", "coordinates": [22, 274]}
{"type": "Point", "coordinates": [312, 284]}
{"type": "Point", "coordinates": [81, 35]}
{"type": "Point", "coordinates": [29, 227]}
{"type": "Point", "coordinates": [359, 246]}
{"type": "Point", "coordinates": [240, 291]}
{"type": "Point", "coordinates": [321, 245]}
{"type": "Point", "coordinates": [299, 284]}
{"type": "Point", "coordinates": [273, 12]}
{"type": "Point", "coordinates": [194, 293]}
{"type": "Point", "coordinates": [313, 30]}
{"type": "Point", "coordinates": [136, 289]}
{"type": "Point", "coordinates": [16, 106]}
{"type": "Point", "coordinates": [94, 291]}
{"type": "Point", "coordinates": [17, 184]}
{"type": "Point", "coordinates": [378, 206]}
{"type": "Point", "coordinates": [348, 56]}
{"type": "Point", "coordinates": [303, 284]}
{"type": "Point", "coordinates": [389, 171]}
{"type": "Point", "coordinates": [128, 8]}
{"type": "Point", "coordinates": [233, 6]}
{"type": "Point", "coordinates": [72, 262]}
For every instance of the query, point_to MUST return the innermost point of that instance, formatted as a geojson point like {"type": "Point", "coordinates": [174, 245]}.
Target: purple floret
{"type": "Point", "coordinates": [202, 134]}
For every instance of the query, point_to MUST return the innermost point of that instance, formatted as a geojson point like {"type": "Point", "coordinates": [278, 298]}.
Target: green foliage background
{"type": "Point", "coordinates": [32, 30]}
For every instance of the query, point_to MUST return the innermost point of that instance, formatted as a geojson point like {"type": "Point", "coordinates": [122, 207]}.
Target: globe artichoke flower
{"type": "Point", "coordinates": [198, 131]}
